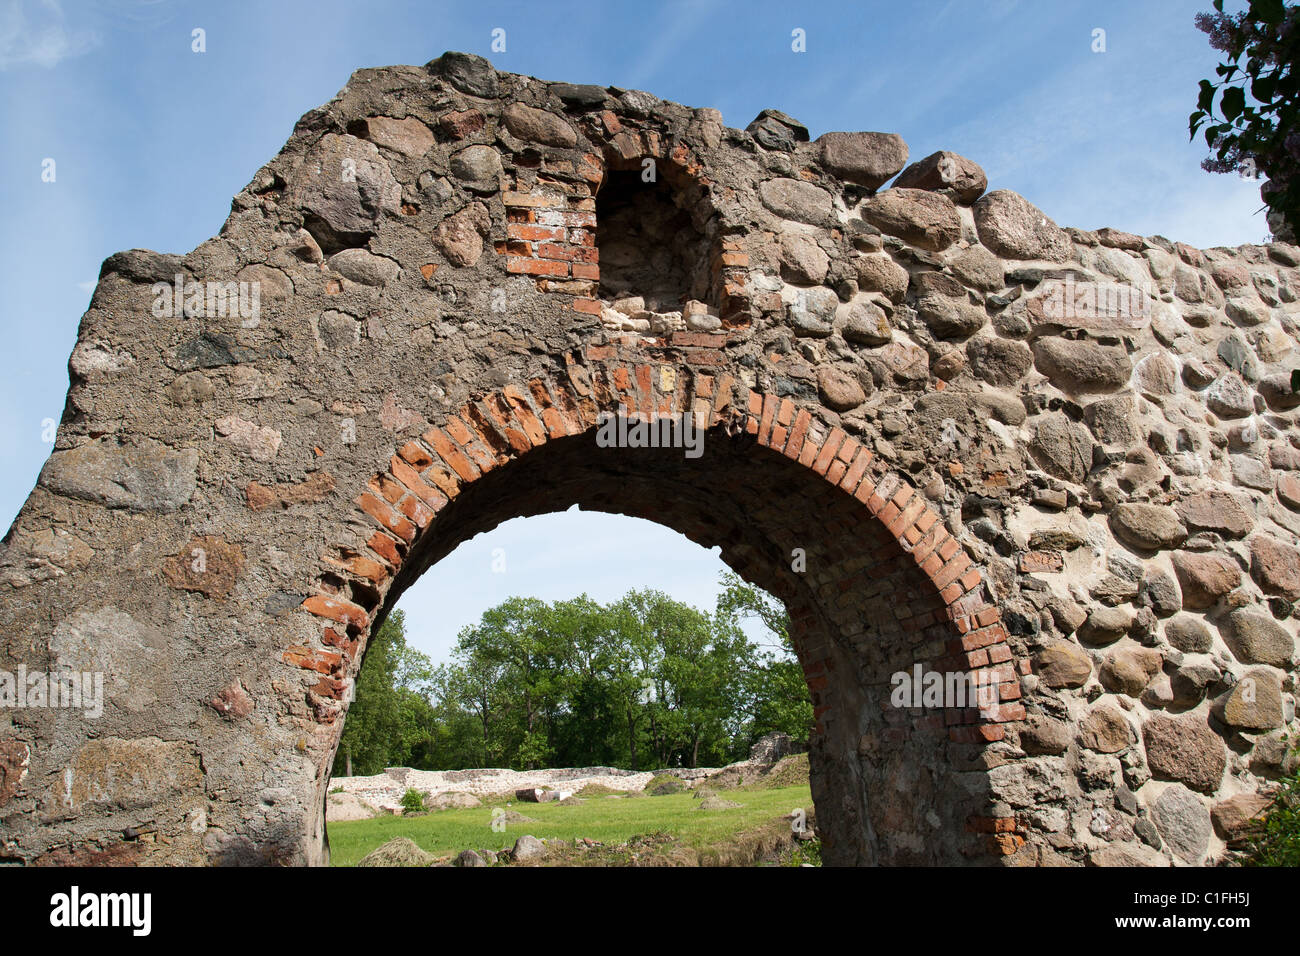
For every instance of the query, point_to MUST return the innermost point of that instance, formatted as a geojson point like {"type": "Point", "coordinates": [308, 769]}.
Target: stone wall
{"type": "Point", "coordinates": [945, 431]}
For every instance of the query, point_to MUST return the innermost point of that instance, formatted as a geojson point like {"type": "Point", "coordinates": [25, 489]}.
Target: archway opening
{"type": "Point", "coordinates": [889, 783]}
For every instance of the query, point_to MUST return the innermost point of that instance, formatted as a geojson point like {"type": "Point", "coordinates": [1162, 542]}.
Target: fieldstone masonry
{"type": "Point", "coordinates": [1065, 459]}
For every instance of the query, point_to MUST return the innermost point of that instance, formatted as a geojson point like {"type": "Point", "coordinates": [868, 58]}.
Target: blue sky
{"type": "Point", "coordinates": [151, 140]}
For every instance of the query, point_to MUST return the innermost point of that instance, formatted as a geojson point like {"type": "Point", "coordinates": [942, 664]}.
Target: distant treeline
{"type": "Point", "coordinates": [643, 683]}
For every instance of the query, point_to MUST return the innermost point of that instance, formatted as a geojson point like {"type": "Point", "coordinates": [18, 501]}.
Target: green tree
{"type": "Point", "coordinates": [1256, 129]}
{"type": "Point", "coordinates": [385, 719]}
{"type": "Point", "coordinates": [776, 693]}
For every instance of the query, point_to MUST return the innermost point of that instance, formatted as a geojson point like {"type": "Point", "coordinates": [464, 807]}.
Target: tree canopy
{"type": "Point", "coordinates": [642, 683]}
{"type": "Point", "coordinates": [1256, 130]}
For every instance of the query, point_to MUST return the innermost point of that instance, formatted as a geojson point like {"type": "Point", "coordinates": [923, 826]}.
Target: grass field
{"type": "Point", "coordinates": [608, 820]}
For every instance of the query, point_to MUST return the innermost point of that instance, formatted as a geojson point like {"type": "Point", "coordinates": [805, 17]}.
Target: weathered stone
{"type": "Point", "coordinates": [802, 260]}
{"type": "Point", "coordinates": [1189, 683]}
{"type": "Point", "coordinates": [1275, 566]}
{"type": "Point", "coordinates": [466, 72]}
{"type": "Point", "coordinates": [1014, 228]}
{"type": "Point", "coordinates": [1062, 448]}
{"type": "Point", "coordinates": [261, 443]}
{"type": "Point", "coordinates": [1156, 374]}
{"type": "Point", "coordinates": [116, 773]}
{"type": "Point", "coordinates": [1204, 578]}
{"type": "Point", "coordinates": [345, 188]}
{"type": "Point", "coordinates": [1288, 490]}
{"type": "Point", "coordinates": [538, 126]}
{"type": "Point", "coordinates": [867, 159]}
{"type": "Point", "coordinates": [1189, 634]}
{"type": "Point", "coordinates": [528, 848]}
{"type": "Point", "coordinates": [955, 176]}
{"type": "Point", "coordinates": [1063, 665]}
{"type": "Point", "coordinates": [1111, 420]}
{"type": "Point", "coordinates": [777, 131]}
{"type": "Point", "coordinates": [978, 267]}
{"type": "Point", "coordinates": [880, 273]}
{"type": "Point", "coordinates": [1160, 592]}
{"type": "Point", "coordinates": [866, 324]}
{"type": "Point", "coordinates": [1067, 615]}
{"type": "Point", "coordinates": [1183, 822]}
{"type": "Point", "coordinates": [1106, 625]}
{"type": "Point", "coordinates": [460, 237]}
{"type": "Point", "coordinates": [1125, 855]}
{"type": "Point", "coordinates": [1128, 669]}
{"type": "Point", "coordinates": [1147, 527]}
{"type": "Point", "coordinates": [1044, 735]}
{"type": "Point", "coordinates": [316, 487]}
{"type": "Point", "coordinates": [190, 389]}
{"type": "Point", "coordinates": [949, 318]}
{"type": "Point", "coordinates": [1258, 639]}
{"type": "Point", "coordinates": [1106, 731]}
{"type": "Point", "coordinates": [924, 219]}
{"type": "Point", "coordinates": [838, 389]}
{"type": "Point", "coordinates": [1082, 366]}
{"type": "Point", "coordinates": [798, 201]}
{"type": "Point", "coordinates": [1250, 472]}
{"type": "Point", "coordinates": [1277, 391]}
{"type": "Point", "coordinates": [1229, 397]}
{"type": "Point", "coordinates": [208, 564]}
{"type": "Point", "coordinates": [145, 476]}
{"type": "Point", "coordinates": [233, 701]}
{"type": "Point", "coordinates": [1238, 817]}
{"type": "Point", "coordinates": [479, 166]}
{"type": "Point", "coordinates": [15, 758]}
{"type": "Point", "coordinates": [1219, 511]}
{"type": "Point", "coordinates": [361, 266]}
{"type": "Point", "coordinates": [407, 136]}
{"type": "Point", "coordinates": [1254, 703]}
{"type": "Point", "coordinates": [1184, 749]}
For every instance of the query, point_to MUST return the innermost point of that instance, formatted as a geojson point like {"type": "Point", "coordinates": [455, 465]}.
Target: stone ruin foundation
{"type": "Point", "coordinates": [1066, 460]}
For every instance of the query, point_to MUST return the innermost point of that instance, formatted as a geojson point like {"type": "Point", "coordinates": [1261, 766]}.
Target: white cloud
{"type": "Point", "coordinates": [43, 38]}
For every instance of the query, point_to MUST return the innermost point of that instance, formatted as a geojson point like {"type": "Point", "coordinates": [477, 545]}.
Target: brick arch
{"type": "Point", "coordinates": [882, 567]}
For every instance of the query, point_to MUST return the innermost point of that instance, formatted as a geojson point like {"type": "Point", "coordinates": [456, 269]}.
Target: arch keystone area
{"type": "Point", "coordinates": [1063, 461]}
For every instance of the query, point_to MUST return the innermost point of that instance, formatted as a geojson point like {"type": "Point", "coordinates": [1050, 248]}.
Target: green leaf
{"type": "Point", "coordinates": [1263, 88]}
{"type": "Point", "coordinates": [1233, 102]}
{"type": "Point", "coordinates": [1205, 101]}
{"type": "Point", "coordinates": [1271, 12]}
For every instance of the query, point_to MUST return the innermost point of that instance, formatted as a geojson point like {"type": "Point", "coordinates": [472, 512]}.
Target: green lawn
{"type": "Point", "coordinates": [606, 820]}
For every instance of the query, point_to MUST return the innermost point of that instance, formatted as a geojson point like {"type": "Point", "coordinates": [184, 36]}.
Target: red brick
{"type": "Point", "coordinates": [770, 403]}
{"type": "Point", "coordinates": [386, 516]}
{"type": "Point", "coordinates": [415, 454]}
{"type": "Point", "coordinates": [524, 415]}
{"type": "Point", "coordinates": [536, 267]}
{"type": "Point", "coordinates": [856, 470]}
{"type": "Point", "coordinates": [829, 448]}
{"type": "Point", "coordinates": [795, 444]}
{"type": "Point", "coordinates": [385, 547]}
{"type": "Point", "coordinates": [323, 662]}
{"type": "Point", "coordinates": [336, 609]}
{"type": "Point", "coordinates": [452, 455]}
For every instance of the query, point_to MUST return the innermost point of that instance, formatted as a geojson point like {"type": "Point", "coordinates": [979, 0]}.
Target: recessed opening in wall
{"type": "Point", "coordinates": [649, 245]}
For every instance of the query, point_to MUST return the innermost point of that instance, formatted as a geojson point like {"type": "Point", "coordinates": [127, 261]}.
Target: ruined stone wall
{"type": "Point", "coordinates": [1063, 459]}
